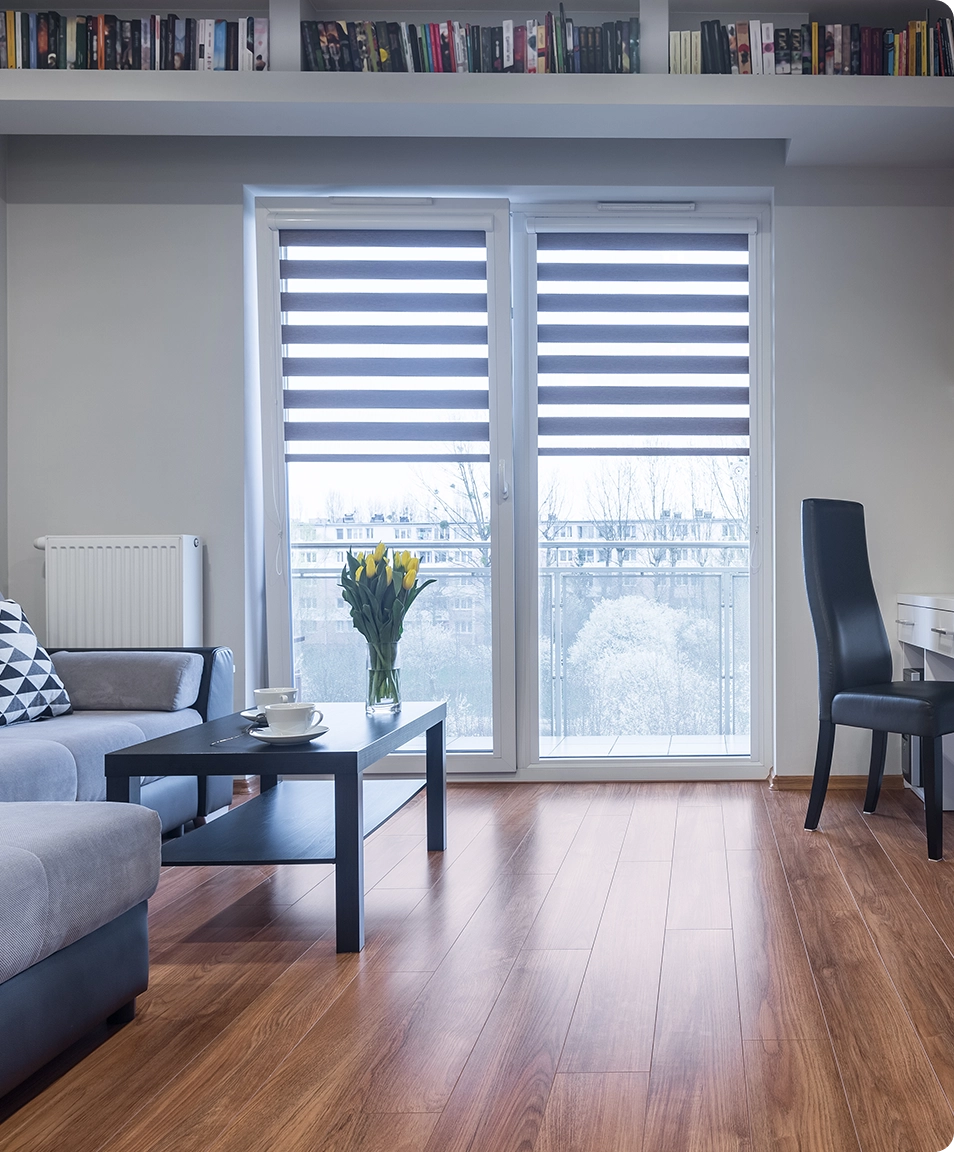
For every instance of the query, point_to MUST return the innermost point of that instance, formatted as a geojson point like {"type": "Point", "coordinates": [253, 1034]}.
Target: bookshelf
{"type": "Point", "coordinates": [865, 120]}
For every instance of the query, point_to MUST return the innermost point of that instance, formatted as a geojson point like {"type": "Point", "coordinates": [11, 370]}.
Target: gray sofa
{"type": "Point", "coordinates": [74, 881]}
{"type": "Point", "coordinates": [121, 697]}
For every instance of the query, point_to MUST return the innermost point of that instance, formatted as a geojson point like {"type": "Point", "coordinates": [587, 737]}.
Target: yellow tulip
{"type": "Point", "coordinates": [415, 563]}
{"type": "Point", "coordinates": [379, 551]}
{"type": "Point", "coordinates": [359, 574]}
{"type": "Point", "coordinates": [388, 573]}
{"type": "Point", "coordinates": [361, 557]}
{"type": "Point", "coordinates": [408, 581]}
{"type": "Point", "coordinates": [370, 567]}
{"type": "Point", "coordinates": [405, 558]}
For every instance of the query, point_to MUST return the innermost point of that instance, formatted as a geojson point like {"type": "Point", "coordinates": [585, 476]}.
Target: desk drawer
{"type": "Point", "coordinates": [929, 628]}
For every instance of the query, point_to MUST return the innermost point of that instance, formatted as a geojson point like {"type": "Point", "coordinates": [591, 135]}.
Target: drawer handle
{"type": "Point", "coordinates": [941, 631]}
{"type": "Point", "coordinates": [906, 623]}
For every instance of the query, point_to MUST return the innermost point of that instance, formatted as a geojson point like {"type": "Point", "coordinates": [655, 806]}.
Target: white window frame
{"type": "Point", "coordinates": [492, 215]}
{"type": "Point", "coordinates": [756, 219]}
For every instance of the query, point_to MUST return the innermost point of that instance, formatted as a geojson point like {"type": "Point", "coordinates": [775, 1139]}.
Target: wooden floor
{"type": "Point", "coordinates": [589, 968]}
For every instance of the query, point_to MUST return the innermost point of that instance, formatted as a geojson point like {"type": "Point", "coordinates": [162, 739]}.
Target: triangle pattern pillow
{"type": "Point", "coordinates": [29, 686]}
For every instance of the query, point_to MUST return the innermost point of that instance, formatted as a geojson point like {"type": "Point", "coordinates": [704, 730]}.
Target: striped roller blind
{"type": "Point", "coordinates": [643, 344]}
{"type": "Point", "coordinates": [384, 345]}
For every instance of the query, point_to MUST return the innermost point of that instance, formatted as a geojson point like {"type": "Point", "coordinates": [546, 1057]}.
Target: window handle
{"type": "Point", "coordinates": [941, 631]}
{"type": "Point", "coordinates": [503, 487]}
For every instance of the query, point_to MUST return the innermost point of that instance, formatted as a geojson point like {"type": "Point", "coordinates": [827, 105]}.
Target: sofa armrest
{"type": "Point", "coordinates": [215, 686]}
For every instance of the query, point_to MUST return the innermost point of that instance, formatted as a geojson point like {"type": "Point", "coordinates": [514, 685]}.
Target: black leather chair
{"type": "Point", "coordinates": [854, 664]}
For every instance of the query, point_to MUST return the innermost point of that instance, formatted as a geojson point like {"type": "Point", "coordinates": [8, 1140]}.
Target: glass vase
{"type": "Point", "coordinates": [384, 679]}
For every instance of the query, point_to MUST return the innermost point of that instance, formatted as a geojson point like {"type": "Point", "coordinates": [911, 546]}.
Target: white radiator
{"type": "Point", "coordinates": [123, 591]}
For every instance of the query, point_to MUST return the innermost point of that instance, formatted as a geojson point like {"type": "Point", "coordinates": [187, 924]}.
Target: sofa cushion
{"type": "Point", "coordinates": [29, 686]}
{"type": "Point", "coordinates": [131, 681]}
{"type": "Point", "coordinates": [153, 725]}
{"type": "Point", "coordinates": [35, 769]}
{"type": "Point", "coordinates": [88, 739]}
{"type": "Point", "coordinates": [23, 918]}
{"type": "Point", "coordinates": [97, 861]}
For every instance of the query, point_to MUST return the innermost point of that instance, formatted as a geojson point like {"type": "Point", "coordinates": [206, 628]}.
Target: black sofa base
{"type": "Point", "coordinates": [48, 1007]}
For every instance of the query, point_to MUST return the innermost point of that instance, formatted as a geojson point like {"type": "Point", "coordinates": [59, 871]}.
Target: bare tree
{"type": "Point", "coordinates": [463, 502]}
{"type": "Point", "coordinates": [552, 516]}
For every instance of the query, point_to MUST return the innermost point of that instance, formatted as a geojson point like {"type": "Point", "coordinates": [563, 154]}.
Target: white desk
{"type": "Point", "coordinates": [925, 625]}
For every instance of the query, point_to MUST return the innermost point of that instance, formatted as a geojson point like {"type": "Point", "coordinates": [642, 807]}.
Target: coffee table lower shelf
{"type": "Point", "coordinates": [292, 823]}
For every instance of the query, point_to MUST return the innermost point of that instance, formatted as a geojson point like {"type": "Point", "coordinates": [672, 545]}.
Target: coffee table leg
{"type": "Point", "coordinates": [123, 789]}
{"type": "Point", "coordinates": [349, 861]}
{"type": "Point", "coordinates": [436, 765]}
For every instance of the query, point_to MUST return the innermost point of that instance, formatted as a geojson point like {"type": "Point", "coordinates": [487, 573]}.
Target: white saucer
{"type": "Point", "coordinates": [267, 736]}
{"type": "Point", "coordinates": [253, 714]}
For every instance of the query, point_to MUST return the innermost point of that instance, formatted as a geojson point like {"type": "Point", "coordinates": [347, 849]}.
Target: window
{"type": "Point", "coordinates": [642, 410]}
{"type": "Point", "coordinates": [615, 555]}
{"type": "Point", "coordinates": [389, 350]}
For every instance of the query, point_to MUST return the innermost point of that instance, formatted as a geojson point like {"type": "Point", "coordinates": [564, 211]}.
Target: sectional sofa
{"type": "Point", "coordinates": [76, 871]}
{"type": "Point", "coordinates": [121, 697]}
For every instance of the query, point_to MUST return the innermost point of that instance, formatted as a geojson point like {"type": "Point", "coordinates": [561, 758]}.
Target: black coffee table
{"type": "Point", "coordinates": [298, 821]}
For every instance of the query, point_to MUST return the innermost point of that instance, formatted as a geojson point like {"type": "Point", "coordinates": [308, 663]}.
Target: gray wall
{"type": "Point", "coordinates": [127, 393]}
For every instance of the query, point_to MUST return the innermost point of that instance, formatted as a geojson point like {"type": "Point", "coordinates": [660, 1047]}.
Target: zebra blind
{"type": "Point", "coordinates": [385, 345]}
{"type": "Point", "coordinates": [643, 344]}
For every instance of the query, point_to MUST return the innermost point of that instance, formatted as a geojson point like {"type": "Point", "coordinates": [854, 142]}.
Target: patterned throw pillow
{"type": "Point", "coordinates": [29, 686]}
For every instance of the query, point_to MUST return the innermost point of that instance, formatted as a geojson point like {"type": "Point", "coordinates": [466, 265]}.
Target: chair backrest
{"type": "Point", "coordinates": [853, 647]}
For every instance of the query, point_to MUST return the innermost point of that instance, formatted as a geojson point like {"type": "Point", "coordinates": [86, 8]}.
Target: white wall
{"type": "Point", "coordinates": [864, 410]}
{"type": "Point", "coordinates": [126, 410]}
{"type": "Point", "coordinates": [126, 364]}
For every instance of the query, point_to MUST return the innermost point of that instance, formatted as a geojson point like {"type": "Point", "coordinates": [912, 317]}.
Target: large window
{"type": "Point", "coordinates": [594, 594]}
{"type": "Point", "coordinates": [642, 344]}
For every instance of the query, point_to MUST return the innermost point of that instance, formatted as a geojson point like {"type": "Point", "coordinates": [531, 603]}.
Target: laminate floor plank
{"type": "Point", "coordinates": [615, 1016]}
{"type": "Point", "coordinates": [499, 1099]}
{"type": "Point", "coordinates": [652, 826]}
{"type": "Point", "coordinates": [448, 905]}
{"type": "Point", "coordinates": [311, 1094]}
{"type": "Point", "coordinates": [224, 887]}
{"type": "Point", "coordinates": [699, 888]}
{"type": "Point", "coordinates": [777, 997]}
{"type": "Point", "coordinates": [422, 869]}
{"type": "Point", "coordinates": [549, 836]}
{"type": "Point", "coordinates": [900, 929]}
{"type": "Point", "coordinates": [745, 823]}
{"type": "Point", "coordinates": [451, 1011]}
{"type": "Point", "coordinates": [204, 1098]}
{"type": "Point", "coordinates": [697, 1095]}
{"type": "Point", "coordinates": [796, 1098]}
{"type": "Point", "coordinates": [895, 1098]}
{"type": "Point", "coordinates": [591, 1112]}
{"type": "Point", "coordinates": [571, 913]}
{"type": "Point", "coordinates": [931, 881]}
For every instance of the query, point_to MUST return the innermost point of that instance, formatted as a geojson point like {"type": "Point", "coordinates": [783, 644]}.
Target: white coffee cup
{"type": "Point", "coordinates": [265, 696]}
{"type": "Point", "coordinates": [291, 719]}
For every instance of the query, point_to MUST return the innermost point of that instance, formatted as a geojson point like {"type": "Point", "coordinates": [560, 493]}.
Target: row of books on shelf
{"type": "Point", "coordinates": [557, 44]}
{"type": "Point", "coordinates": [757, 47]}
{"type": "Point", "coordinates": [49, 40]}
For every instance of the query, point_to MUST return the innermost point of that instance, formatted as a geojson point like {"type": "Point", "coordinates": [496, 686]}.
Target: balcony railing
{"type": "Point", "coordinates": [657, 648]}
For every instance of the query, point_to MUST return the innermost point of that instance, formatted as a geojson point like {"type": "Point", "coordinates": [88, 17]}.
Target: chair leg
{"type": "Point", "coordinates": [932, 777]}
{"type": "Point", "coordinates": [879, 750]}
{"type": "Point", "coordinates": [826, 745]}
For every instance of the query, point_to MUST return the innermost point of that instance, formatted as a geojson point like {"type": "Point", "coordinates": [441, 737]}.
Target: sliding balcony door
{"type": "Point", "coordinates": [636, 433]}
{"type": "Point", "coordinates": [396, 402]}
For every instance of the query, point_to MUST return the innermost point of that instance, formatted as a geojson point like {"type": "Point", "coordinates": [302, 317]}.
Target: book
{"type": "Point", "coordinates": [795, 45]}
{"type": "Point", "coordinates": [675, 53]}
{"type": "Point", "coordinates": [836, 51]}
{"type": "Point", "coordinates": [783, 53]}
{"type": "Point", "coordinates": [768, 49]}
{"type": "Point", "coordinates": [733, 49]}
{"type": "Point", "coordinates": [261, 44]}
{"type": "Point", "coordinates": [745, 51]}
{"type": "Point", "coordinates": [696, 53]}
{"type": "Point", "coordinates": [755, 44]}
